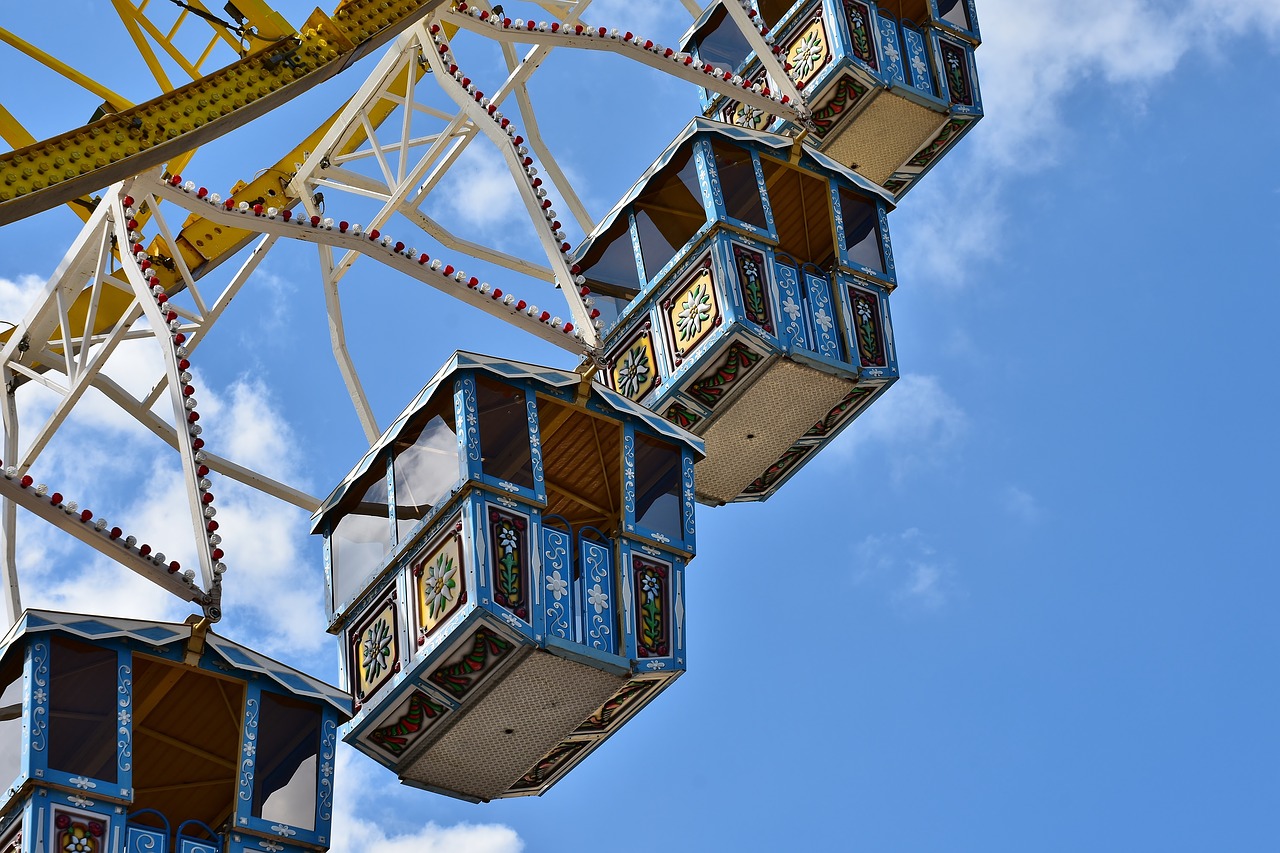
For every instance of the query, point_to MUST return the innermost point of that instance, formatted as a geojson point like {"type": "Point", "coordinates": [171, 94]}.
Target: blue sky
{"type": "Point", "coordinates": [1025, 603]}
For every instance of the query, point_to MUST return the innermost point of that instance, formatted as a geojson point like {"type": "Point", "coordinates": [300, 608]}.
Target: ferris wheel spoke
{"type": "Point", "coordinates": [500, 132]}
{"type": "Point", "coordinates": [533, 133]}
{"type": "Point", "coordinates": [645, 51]}
{"type": "Point", "coordinates": [338, 344]}
{"type": "Point", "coordinates": [174, 354]}
{"type": "Point", "coordinates": [328, 231]}
{"type": "Point", "coordinates": [476, 250]}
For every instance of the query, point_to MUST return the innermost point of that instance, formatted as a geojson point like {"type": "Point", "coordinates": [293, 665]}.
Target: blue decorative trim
{"type": "Point", "coordinates": [329, 605]}
{"type": "Point", "coordinates": [249, 751]}
{"type": "Point", "coordinates": [40, 701]}
{"type": "Point", "coordinates": [629, 477]}
{"type": "Point", "coordinates": [709, 180]}
{"type": "Point", "coordinates": [328, 749]}
{"type": "Point", "coordinates": [634, 231]}
{"type": "Point", "coordinates": [599, 599]}
{"type": "Point", "coordinates": [687, 465]}
{"type": "Point", "coordinates": [825, 324]}
{"type": "Point", "coordinates": [917, 60]}
{"type": "Point", "coordinates": [887, 246]}
{"type": "Point", "coordinates": [891, 69]}
{"type": "Point", "coordinates": [836, 207]}
{"type": "Point", "coordinates": [791, 297]}
{"type": "Point", "coordinates": [391, 500]}
{"type": "Point", "coordinates": [124, 720]}
{"type": "Point", "coordinates": [466, 417]}
{"type": "Point", "coordinates": [535, 445]}
{"type": "Point", "coordinates": [764, 195]}
{"type": "Point", "coordinates": [557, 577]}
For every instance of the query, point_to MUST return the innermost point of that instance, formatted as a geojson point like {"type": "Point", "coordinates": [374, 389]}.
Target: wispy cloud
{"type": "Point", "coordinates": [360, 790]}
{"type": "Point", "coordinates": [108, 463]}
{"type": "Point", "coordinates": [1035, 55]}
{"type": "Point", "coordinates": [480, 192]}
{"type": "Point", "coordinates": [657, 21]}
{"type": "Point", "coordinates": [907, 569]}
{"type": "Point", "coordinates": [1021, 504]}
{"type": "Point", "coordinates": [915, 423]}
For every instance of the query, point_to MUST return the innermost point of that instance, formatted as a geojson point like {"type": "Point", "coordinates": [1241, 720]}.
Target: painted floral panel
{"type": "Point", "coordinates": [546, 768]}
{"type": "Point", "coordinates": [75, 834]}
{"type": "Point", "coordinates": [809, 53]}
{"type": "Point", "coordinates": [440, 584]}
{"type": "Point", "coordinates": [509, 560]}
{"type": "Point", "coordinates": [635, 369]}
{"type": "Point", "coordinates": [693, 313]}
{"type": "Point", "coordinates": [653, 620]}
{"type": "Point", "coordinates": [753, 286]}
{"type": "Point", "coordinates": [867, 328]}
{"type": "Point", "coordinates": [375, 650]}
{"type": "Point", "coordinates": [712, 385]}
{"type": "Point", "coordinates": [617, 707]}
{"type": "Point", "coordinates": [468, 665]}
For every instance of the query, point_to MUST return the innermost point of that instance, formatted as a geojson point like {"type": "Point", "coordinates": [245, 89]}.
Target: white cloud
{"type": "Point", "coordinates": [1021, 504]}
{"type": "Point", "coordinates": [907, 568]}
{"type": "Point", "coordinates": [914, 423]}
{"type": "Point", "coordinates": [1034, 55]}
{"type": "Point", "coordinates": [16, 298]}
{"type": "Point", "coordinates": [359, 789]}
{"type": "Point", "coordinates": [480, 190]}
{"type": "Point", "coordinates": [106, 462]}
{"type": "Point", "coordinates": [663, 22]}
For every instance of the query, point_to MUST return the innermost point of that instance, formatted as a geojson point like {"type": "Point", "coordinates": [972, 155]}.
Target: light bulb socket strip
{"type": "Point", "coordinates": [757, 94]}
{"type": "Point", "coordinates": [177, 342]}
{"type": "Point", "coordinates": [343, 234]}
{"type": "Point", "coordinates": [52, 506]}
{"type": "Point", "coordinates": [559, 252]}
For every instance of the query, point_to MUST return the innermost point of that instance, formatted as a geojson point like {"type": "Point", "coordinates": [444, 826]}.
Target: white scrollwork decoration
{"type": "Point", "coordinates": [471, 419]}
{"type": "Point", "coordinates": [124, 736]}
{"type": "Point", "coordinates": [555, 554]}
{"type": "Point", "coordinates": [249, 749]}
{"type": "Point", "coordinates": [598, 577]}
{"type": "Point", "coordinates": [143, 842]}
{"type": "Point", "coordinates": [687, 486]}
{"type": "Point", "coordinates": [629, 473]}
{"type": "Point", "coordinates": [535, 442]}
{"type": "Point", "coordinates": [39, 713]}
{"type": "Point", "coordinates": [884, 234]}
{"type": "Point", "coordinates": [327, 748]}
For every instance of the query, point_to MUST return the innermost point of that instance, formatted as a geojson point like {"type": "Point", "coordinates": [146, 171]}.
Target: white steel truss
{"type": "Point", "coordinates": [393, 163]}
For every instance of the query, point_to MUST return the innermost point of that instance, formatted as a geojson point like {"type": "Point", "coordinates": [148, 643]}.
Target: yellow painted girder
{"type": "Point", "coordinates": [56, 170]}
{"type": "Point", "coordinates": [202, 244]}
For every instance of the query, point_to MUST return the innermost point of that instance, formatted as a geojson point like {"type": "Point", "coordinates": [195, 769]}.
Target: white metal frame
{"type": "Point", "coordinates": [45, 349]}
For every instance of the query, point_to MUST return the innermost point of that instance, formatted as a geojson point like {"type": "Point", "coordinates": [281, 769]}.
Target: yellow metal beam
{"type": "Point", "coordinates": [56, 170]}
{"type": "Point", "coordinates": [203, 246]}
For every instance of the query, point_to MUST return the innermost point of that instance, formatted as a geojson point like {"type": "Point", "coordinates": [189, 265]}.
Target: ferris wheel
{"type": "Point", "coordinates": [504, 566]}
